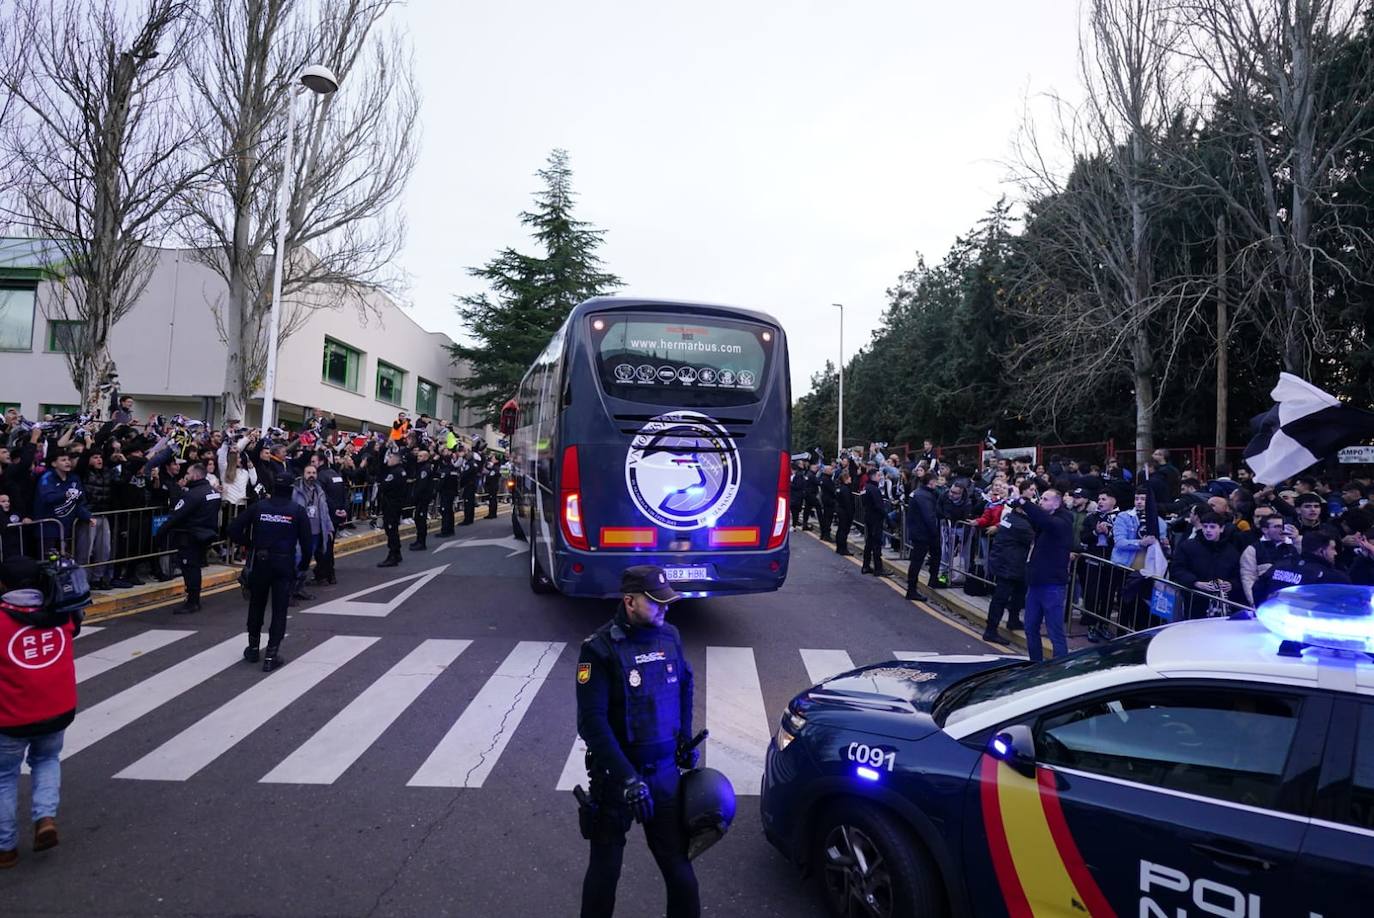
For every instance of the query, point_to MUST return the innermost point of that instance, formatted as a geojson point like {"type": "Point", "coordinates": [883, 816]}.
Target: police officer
{"type": "Point", "coordinates": [472, 470]}
{"type": "Point", "coordinates": [810, 496]}
{"type": "Point", "coordinates": [391, 494]}
{"type": "Point", "coordinates": [273, 529]}
{"type": "Point", "coordinates": [1317, 564]}
{"type": "Point", "coordinates": [193, 524]}
{"type": "Point", "coordinates": [875, 513]}
{"type": "Point", "coordinates": [844, 510]}
{"type": "Point", "coordinates": [336, 495]}
{"type": "Point", "coordinates": [827, 514]}
{"type": "Point", "coordinates": [423, 494]}
{"type": "Point", "coordinates": [634, 710]}
{"type": "Point", "coordinates": [493, 473]}
{"type": "Point", "coordinates": [447, 474]}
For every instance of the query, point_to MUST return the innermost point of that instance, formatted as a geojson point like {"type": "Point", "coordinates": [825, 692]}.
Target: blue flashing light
{"type": "Point", "coordinates": [868, 774]}
{"type": "Point", "coordinates": [1000, 747]}
{"type": "Point", "coordinates": [1334, 616]}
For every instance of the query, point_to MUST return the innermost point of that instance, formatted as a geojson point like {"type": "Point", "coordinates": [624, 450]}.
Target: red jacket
{"type": "Point", "coordinates": [37, 675]}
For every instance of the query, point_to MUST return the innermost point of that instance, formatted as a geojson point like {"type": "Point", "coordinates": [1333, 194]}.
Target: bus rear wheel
{"type": "Point", "coordinates": [538, 582]}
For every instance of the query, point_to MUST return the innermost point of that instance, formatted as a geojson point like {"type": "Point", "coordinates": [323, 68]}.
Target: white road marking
{"type": "Point", "coordinates": [470, 749]}
{"type": "Point", "coordinates": [324, 757]}
{"type": "Point", "coordinates": [219, 731]}
{"type": "Point", "coordinates": [736, 717]}
{"type": "Point", "coordinates": [88, 630]}
{"type": "Point", "coordinates": [92, 664]}
{"type": "Point", "coordinates": [822, 664]}
{"type": "Point", "coordinates": [575, 768]}
{"type": "Point", "coordinates": [118, 711]}
{"type": "Point", "coordinates": [349, 605]}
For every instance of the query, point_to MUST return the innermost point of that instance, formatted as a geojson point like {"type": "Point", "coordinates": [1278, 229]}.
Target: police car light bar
{"type": "Point", "coordinates": [1331, 616]}
{"type": "Point", "coordinates": [868, 774]}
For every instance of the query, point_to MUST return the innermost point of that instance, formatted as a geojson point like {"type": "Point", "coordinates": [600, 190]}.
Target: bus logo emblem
{"type": "Point", "coordinates": [683, 470]}
{"type": "Point", "coordinates": [667, 374]}
{"type": "Point", "coordinates": [624, 372]}
{"type": "Point", "coordinates": [645, 373]}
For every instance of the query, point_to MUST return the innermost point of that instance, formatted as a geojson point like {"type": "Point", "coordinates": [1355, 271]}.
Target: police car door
{"type": "Point", "coordinates": [1178, 799]}
{"type": "Point", "coordinates": [1339, 850]}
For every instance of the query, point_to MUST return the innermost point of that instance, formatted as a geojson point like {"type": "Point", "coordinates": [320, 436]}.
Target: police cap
{"type": "Point", "coordinates": [650, 580]}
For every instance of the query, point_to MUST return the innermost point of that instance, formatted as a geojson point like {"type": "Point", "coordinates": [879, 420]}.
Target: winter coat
{"type": "Point", "coordinates": [62, 500]}
{"type": "Point", "coordinates": [1048, 564]}
{"type": "Point", "coordinates": [1011, 545]}
{"type": "Point", "coordinates": [1200, 561]}
{"type": "Point", "coordinates": [922, 519]}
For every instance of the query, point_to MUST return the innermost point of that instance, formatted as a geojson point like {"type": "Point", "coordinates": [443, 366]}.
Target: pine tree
{"type": "Point", "coordinates": [529, 295]}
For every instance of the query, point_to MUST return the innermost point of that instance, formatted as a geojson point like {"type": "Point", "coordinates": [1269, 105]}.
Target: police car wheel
{"type": "Point", "coordinates": [869, 867]}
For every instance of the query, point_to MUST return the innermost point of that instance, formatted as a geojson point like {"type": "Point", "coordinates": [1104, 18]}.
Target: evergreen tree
{"type": "Point", "coordinates": [529, 295]}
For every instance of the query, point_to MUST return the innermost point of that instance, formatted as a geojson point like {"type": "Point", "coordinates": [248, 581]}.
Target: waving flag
{"type": "Point", "coordinates": [1305, 426]}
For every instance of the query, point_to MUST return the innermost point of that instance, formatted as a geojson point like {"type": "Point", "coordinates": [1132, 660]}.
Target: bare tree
{"type": "Point", "coordinates": [1296, 114]}
{"type": "Point", "coordinates": [354, 152]}
{"type": "Point", "coordinates": [1088, 278]}
{"type": "Point", "coordinates": [94, 150]}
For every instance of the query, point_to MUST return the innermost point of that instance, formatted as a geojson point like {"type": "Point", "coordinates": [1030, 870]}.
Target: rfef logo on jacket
{"type": "Point", "coordinates": [37, 648]}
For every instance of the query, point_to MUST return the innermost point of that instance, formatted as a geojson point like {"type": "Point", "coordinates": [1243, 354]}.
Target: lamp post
{"type": "Point", "coordinates": [317, 79]}
{"type": "Point", "coordinates": [839, 435]}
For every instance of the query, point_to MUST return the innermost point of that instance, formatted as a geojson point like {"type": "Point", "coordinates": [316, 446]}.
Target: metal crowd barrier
{"type": "Point", "coordinates": [33, 539]}
{"type": "Point", "coordinates": [1118, 600]}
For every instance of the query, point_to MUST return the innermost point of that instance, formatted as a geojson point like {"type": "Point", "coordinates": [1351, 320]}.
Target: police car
{"type": "Point", "coordinates": [1217, 767]}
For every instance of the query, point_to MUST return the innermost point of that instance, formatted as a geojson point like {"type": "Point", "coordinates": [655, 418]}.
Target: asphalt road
{"type": "Point", "coordinates": [409, 759]}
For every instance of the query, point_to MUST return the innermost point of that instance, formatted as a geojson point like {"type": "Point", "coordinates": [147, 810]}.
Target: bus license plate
{"type": "Point", "coordinates": [686, 573]}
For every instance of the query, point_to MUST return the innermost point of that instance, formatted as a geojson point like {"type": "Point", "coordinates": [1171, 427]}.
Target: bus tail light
{"type": "Point", "coordinates": [734, 536]}
{"type": "Point", "coordinates": [570, 501]}
{"type": "Point", "coordinates": [779, 533]}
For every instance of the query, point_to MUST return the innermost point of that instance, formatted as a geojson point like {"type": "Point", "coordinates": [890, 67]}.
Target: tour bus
{"type": "Point", "coordinates": [654, 432]}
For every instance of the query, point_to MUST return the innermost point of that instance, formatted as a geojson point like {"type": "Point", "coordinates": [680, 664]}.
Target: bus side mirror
{"type": "Point", "coordinates": [1015, 746]}
{"type": "Point", "coordinates": [510, 416]}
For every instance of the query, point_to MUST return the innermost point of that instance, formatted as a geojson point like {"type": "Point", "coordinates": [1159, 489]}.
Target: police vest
{"type": "Point", "coordinates": [649, 664]}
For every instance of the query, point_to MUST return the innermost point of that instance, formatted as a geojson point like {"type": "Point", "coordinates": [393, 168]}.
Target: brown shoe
{"type": "Point", "coordinates": [8, 859]}
{"type": "Point", "coordinates": [45, 834]}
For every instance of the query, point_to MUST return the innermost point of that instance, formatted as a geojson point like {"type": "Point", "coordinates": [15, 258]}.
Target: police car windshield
{"type": "Point", "coordinates": [974, 694]}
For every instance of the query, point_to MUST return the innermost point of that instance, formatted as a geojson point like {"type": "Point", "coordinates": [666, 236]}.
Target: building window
{"type": "Point", "coordinates": [456, 415]}
{"type": "Point", "coordinates": [48, 408]}
{"type": "Point", "coordinates": [64, 336]}
{"type": "Point", "coordinates": [341, 365]}
{"type": "Point", "coordinates": [16, 318]}
{"type": "Point", "coordinates": [390, 383]}
{"type": "Point", "coordinates": [6, 406]}
{"type": "Point", "coordinates": [426, 397]}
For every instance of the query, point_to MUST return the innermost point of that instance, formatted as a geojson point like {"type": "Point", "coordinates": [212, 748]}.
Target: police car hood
{"type": "Point", "coordinates": [893, 698]}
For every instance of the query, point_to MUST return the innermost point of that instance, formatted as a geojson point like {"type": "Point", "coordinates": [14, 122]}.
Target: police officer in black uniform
{"type": "Point", "coordinates": [493, 473]}
{"type": "Point", "coordinates": [273, 529]}
{"type": "Point", "coordinates": [828, 498]}
{"type": "Point", "coordinates": [472, 470]}
{"type": "Point", "coordinates": [810, 497]}
{"type": "Point", "coordinates": [634, 710]}
{"type": "Point", "coordinates": [391, 494]}
{"type": "Point", "coordinates": [336, 495]}
{"type": "Point", "coordinates": [447, 472]}
{"type": "Point", "coordinates": [875, 513]}
{"type": "Point", "coordinates": [422, 494]}
{"type": "Point", "coordinates": [193, 524]}
{"type": "Point", "coordinates": [1317, 564]}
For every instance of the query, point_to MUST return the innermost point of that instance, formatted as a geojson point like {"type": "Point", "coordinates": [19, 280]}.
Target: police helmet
{"type": "Point", "coordinates": [708, 807]}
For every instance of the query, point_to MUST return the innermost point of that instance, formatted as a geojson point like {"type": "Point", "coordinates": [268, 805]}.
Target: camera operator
{"type": "Point", "coordinates": [37, 700]}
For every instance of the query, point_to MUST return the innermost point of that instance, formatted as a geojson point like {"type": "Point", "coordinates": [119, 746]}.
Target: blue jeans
{"type": "Point", "coordinates": [43, 754]}
{"type": "Point", "coordinates": [1045, 602]}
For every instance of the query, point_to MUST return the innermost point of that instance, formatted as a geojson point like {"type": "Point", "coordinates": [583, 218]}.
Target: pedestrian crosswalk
{"type": "Point", "coordinates": [475, 732]}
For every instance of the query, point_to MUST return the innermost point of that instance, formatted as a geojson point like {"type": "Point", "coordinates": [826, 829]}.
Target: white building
{"type": "Point", "coordinates": [361, 365]}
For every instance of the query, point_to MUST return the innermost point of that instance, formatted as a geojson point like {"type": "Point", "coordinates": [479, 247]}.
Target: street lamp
{"type": "Point", "coordinates": [839, 435]}
{"type": "Point", "coordinates": [318, 79]}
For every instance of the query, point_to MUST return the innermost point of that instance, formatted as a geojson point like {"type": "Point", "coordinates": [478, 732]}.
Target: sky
{"type": "Point", "coordinates": [772, 154]}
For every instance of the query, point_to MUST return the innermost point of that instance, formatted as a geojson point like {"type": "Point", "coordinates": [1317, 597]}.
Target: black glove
{"type": "Point", "coordinates": [636, 795]}
{"type": "Point", "coordinates": [686, 758]}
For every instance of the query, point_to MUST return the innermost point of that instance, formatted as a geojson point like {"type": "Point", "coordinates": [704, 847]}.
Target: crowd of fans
{"type": "Point", "coordinates": [107, 492]}
{"type": "Point", "coordinates": [1071, 525]}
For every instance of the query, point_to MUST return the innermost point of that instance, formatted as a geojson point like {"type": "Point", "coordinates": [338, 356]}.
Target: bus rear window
{"type": "Point", "coordinates": [689, 361]}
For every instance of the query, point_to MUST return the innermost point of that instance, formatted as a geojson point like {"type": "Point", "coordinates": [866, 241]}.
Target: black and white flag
{"type": "Point", "coordinates": [1305, 426]}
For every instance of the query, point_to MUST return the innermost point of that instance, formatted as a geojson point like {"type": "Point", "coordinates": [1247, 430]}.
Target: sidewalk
{"type": "Point", "coordinates": [968, 613]}
{"type": "Point", "coordinates": [217, 578]}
